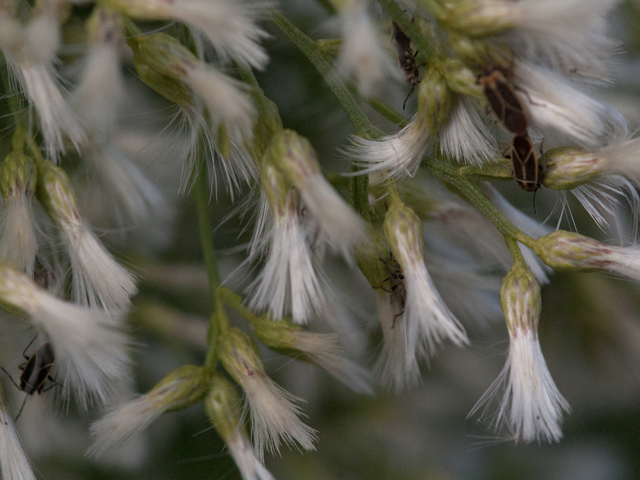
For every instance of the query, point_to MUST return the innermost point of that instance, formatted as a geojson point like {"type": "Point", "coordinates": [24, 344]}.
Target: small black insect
{"type": "Point", "coordinates": [503, 101]}
{"type": "Point", "coordinates": [397, 287]}
{"type": "Point", "coordinates": [35, 372]}
{"type": "Point", "coordinates": [528, 167]}
{"type": "Point", "coordinates": [406, 59]}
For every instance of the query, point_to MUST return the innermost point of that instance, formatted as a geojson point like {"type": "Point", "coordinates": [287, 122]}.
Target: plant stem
{"type": "Point", "coordinates": [218, 320]}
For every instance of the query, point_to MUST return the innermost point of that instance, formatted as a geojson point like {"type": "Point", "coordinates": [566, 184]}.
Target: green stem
{"type": "Point", "coordinates": [412, 30]}
{"type": "Point", "coordinates": [235, 301]}
{"type": "Point", "coordinates": [359, 184]}
{"type": "Point", "coordinates": [516, 253]}
{"type": "Point", "coordinates": [218, 320]}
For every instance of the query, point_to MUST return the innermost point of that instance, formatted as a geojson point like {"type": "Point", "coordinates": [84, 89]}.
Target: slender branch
{"type": "Point", "coordinates": [218, 321]}
{"type": "Point", "coordinates": [514, 248]}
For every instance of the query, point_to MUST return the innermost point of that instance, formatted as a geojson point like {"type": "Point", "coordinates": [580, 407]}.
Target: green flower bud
{"type": "Point", "coordinates": [55, 193]}
{"type": "Point", "coordinates": [105, 26]}
{"type": "Point", "coordinates": [570, 167]}
{"type": "Point", "coordinates": [222, 406]}
{"type": "Point", "coordinates": [435, 100]}
{"type": "Point", "coordinates": [563, 250]}
{"type": "Point", "coordinates": [520, 300]}
{"type": "Point", "coordinates": [403, 232]}
{"type": "Point", "coordinates": [461, 79]}
{"type": "Point", "coordinates": [17, 176]}
{"type": "Point", "coordinates": [476, 17]}
{"type": "Point", "coordinates": [182, 388]}
{"type": "Point", "coordinates": [240, 356]}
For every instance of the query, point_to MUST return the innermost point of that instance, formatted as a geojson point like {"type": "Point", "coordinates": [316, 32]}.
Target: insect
{"type": "Point", "coordinates": [528, 170]}
{"type": "Point", "coordinates": [397, 288]}
{"type": "Point", "coordinates": [35, 371]}
{"type": "Point", "coordinates": [406, 59]}
{"type": "Point", "coordinates": [503, 101]}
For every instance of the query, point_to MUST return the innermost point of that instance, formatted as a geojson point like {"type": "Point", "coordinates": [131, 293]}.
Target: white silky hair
{"type": "Point", "coordinates": [552, 102]}
{"type": "Point", "coordinates": [243, 455]}
{"type": "Point", "coordinates": [13, 460]}
{"type": "Point", "coordinates": [395, 156]}
{"type": "Point", "coordinates": [290, 281]}
{"type": "Point", "coordinates": [362, 54]}
{"type": "Point", "coordinates": [323, 348]}
{"type": "Point", "coordinates": [98, 279]}
{"type": "Point", "coordinates": [465, 137]}
{"type": "Point", "coordinates": [531, 406]}
{"type": "Point", "coordinates": [274, 416]}
{"type": "Point", "coordinates": [18, 243]}
{"type": "Point", "coordinates": [89, 345]}
{"type": "Point", "coordinates": [230, 26]}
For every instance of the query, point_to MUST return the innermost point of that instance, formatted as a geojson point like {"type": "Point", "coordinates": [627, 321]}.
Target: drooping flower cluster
{"type": "Point", "coordinates": [494, 81]}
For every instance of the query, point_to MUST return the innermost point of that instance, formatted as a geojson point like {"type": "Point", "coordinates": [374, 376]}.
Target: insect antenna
{"type": "Point", "coordinates": [534, 202]}
{"type": "Point", "coordinates": [404, 104]}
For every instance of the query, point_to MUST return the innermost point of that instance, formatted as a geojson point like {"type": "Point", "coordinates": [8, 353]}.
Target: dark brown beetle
{"type": "Point", "coordinates": [528, 167]}
{"type": "Point", "coordinates": [503, 101]}
{"type": "Point", "coordinates": [406, 59]}
{"type": "Point", "coordinates": [35, 371]}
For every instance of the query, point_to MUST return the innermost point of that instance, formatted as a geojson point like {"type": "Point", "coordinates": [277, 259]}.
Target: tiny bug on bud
{"type": "Point", "coordinates": [35, 371]}
{"type": "Point", "coordinates": [528, 170]}
{"type": "Point", "coordinates": [397, 287]}
{"type": "Point", "coordinates": [503, 101]}
{"type": "Point", "coordinates": [406, 59]}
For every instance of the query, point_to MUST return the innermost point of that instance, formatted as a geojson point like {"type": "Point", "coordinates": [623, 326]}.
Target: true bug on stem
{"type": "Point", "coordinates": [503, 101]}
{"type": "Point", "coordinates": [406, 59]}
{"type": "Point", "coordinates": [35, 371]}
{"type": "Point", "coordinates": [528, 170]}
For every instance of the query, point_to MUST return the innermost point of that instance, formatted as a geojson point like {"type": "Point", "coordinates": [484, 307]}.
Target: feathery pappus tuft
{"type": "Point", "coordinates": [181, 388]}
{"type": "Point", "coordinates": [13, 460]}
{"type": "Point", "coordinates": [362, 54]}
{"type": "Point", "coordinates": [89, 345]}
{"type": "Point", "coordinates": [273, 410]}
{"type": "Point", "coordinates": [465, 137]}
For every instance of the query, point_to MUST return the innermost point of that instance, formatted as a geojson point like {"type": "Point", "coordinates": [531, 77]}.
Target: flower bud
{"type": "Point", "coordinates": [531, 405]}
{"type": "Point", "coordinates": [476, 18]}
{"type": "Point", "coordinates": [180, 389]}
{"type": "Point", "coordinates": [55, 193]}
{"type": "Point", "coordinates": [570, 167]}
{"type": "Point", "coordinates": [222, 406]}
{"type": "Point", "coordinates": [460, 79]}
{"type": "Point", "coordinates": [295, 156]}
{"type": "Point", "coordinates": [435, 101]}
{"type": "Point", "coordinates": [274, 416]}
{"type": "Point", "coordinates": [563, 250]}
{"type": "Point", "coordinates": [17, 176]}
{"type": "Point", "coordinates": [520, 300]}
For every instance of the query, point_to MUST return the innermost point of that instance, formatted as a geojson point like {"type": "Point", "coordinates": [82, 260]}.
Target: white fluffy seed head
{"type": "Point", "coordinates": [13, 460]}
{"type": "Point", "coordinates": [250, 467]}
{"type": "Point", "coordinates": [290, 280]}
{"type": "Point", "coordinates": [101, 88]}
{"type": "Point", "coordinates": [465, 137]}
{"type": "Point", "coordinates": [98, 279]}
{"type": "Point", "coordinates": [230, 26]}
{"type": "Point", "coordinates": [180, 389]}
{"type": "Point", "coordinates": [397, 366]}
{"type": "Point", "coordinates": [554, 103]}
{"type": "Point", "coordinates": [429, 321]}
{"type": "Point", "coordinates": [336, 220]}
{"type": "Point", "coordinates": [362, 54]}
{"type": "Point", "coordinates": [226, 99]}
{"type": "Point", "coordinates": [274, 414]}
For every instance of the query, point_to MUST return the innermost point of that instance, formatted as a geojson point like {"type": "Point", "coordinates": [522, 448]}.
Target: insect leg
{"type": "Point", "coordinates": [24, 352]}
{"type": "Point", "coordinates": [404, 104]}
{"type": "Point", "coordinates": [21, 408]}
{"type": "Point", "coordinates": [11, 378]}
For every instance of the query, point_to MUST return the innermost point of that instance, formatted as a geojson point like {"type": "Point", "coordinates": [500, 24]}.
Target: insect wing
{"type": "Point", "coordinates": [503, 102]}
{"type": "Point", "coordinates": [525, 163]}
{"type": "Point", "coordinates": [37, 369]}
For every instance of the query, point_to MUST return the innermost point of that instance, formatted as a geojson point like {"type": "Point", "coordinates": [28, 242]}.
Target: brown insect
{"type": "Point", "coordinates": [528, 169]}
{"type": "Point", "coordinates": [406, 59]}
{"type": "Point", "coordinates": [397, 288]}
{"type": "Point", "coordinates": [35, 372]}
{"type": "Point", "coordinates": [503, 101]}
